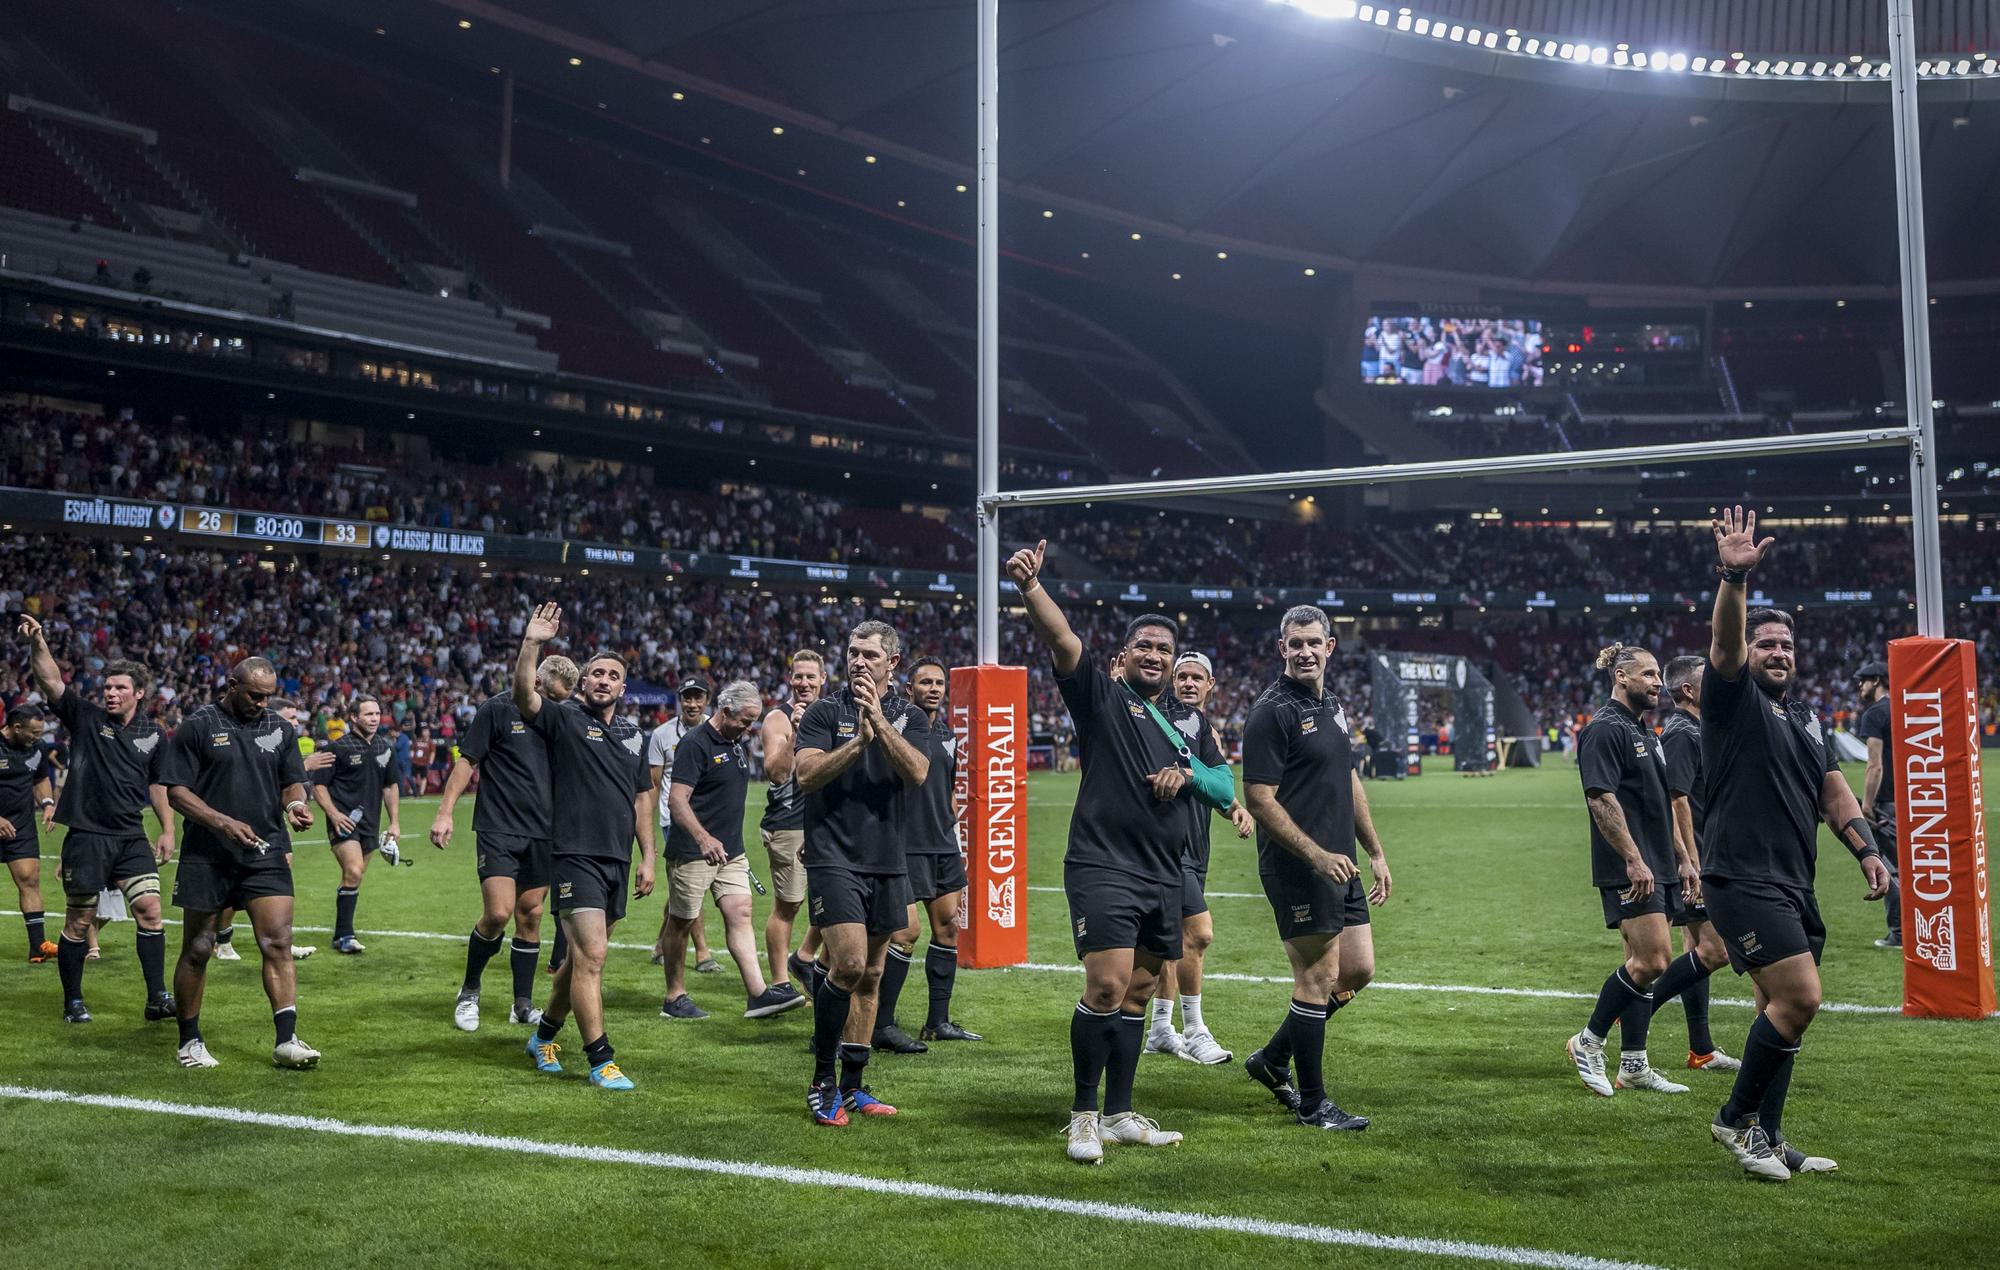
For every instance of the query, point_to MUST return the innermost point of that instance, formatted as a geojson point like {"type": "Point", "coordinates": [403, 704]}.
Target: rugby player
{"type": "Point", "coordinates": [351, 793]}
{"type": "Point", "coordinates": [1122, 867]}
{"type": "Point", "coordinates": [600, 798]}
{"type": "Point", "coordinates": [314, 760]}
{"type": "Point", "coordinates": [1637, 865]}
{"type": "Point", "coordinates": [937, 877]}
{"type": "Point", "coordinates": [1301, 786]}
{"type": "Point", "coordinates": [705, 795]}
{"type": "Point", "coordinates": [1772, 777]}
{"type": "Point", "coordinates": [1878, 788]}
{"type": "Point", "coordinates": [512, 838]}
{"type": "Point", "coordinates": [1702, 952]}
{"type": "Point", "coordinates": [25, 791]}
{"type": "Point", "coordinates": [660, 747]}
{"type": "Point", "coordinates": [1194, 683]}
{"type": "Point", "coordinates": [858, 756]}
{"type": "Point", "coordinates": [234, 771]}
{"type": "Point", "coordinates": [784, 823]}
{"type": "Point", "coordinates": [114, 758]}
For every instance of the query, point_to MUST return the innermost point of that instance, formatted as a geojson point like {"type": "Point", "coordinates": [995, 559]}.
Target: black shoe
{"type": "Point", "coordinates": [76, 1012]}
{"type": "Point", "coordinates": [949, 1031]}
{"type": "Point", "coordinates": [806, 972]}
{"type": "Point", "coordinates": [681, 1008]}
{"type": "Point", "coordinates": [160, 1006]}
{"type": "Point", "coordinates": [1276, 1079]}
{"type": "Point", "coordinates": [895, 1040]}
{"type": "Point", "coordinates": [1329, 1116]}
{"type": "Point", "coordinates": [773, 1000]}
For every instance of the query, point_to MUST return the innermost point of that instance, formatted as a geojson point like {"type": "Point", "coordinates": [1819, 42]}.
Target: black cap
{"type": "Point", "coordinates": [696, 687]}
{"type": "Point", "coordinates": [1872, 670]}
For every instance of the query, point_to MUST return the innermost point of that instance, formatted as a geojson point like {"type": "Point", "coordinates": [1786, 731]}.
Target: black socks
{"type": "Point", "coordinates": [895, 969]}
{"type": "Point", "coordinates": [151, 946]}
{"type": "Point", "coordinates": [830, 1006]}
{"type": "Point", "coordinates": [941, 969]}
{"type": "Point", "coordinates": [1305, 1028]}
{"type": "Point", "coordinates": [69, 966]}
{"type": "Point", "coordinates": [1687, 978]}
{"type": "Point", "coordinates": [1089, 1052]}
{"type": "Point", "coordinates": [1128, 1037]}
{"type": "Point", "coordinates": [286, 1021]}
{"type": "Point", "coordinates": [1618, 997]}
{"type": "Point", "coordinates": [597, 1052]}
{"type": "Point", "coordinates": [36, 937]}
{"type": "Point", "coordinates": [853, 1065]}
{"type": "Point", "coordinates": [522, 955]}
{"type": "Point", "coordinates": [344, 900]}
{"type": "Point", "coordinates": [478, 951]}
{"type": "Point", "coordinates": [1767, 1056]}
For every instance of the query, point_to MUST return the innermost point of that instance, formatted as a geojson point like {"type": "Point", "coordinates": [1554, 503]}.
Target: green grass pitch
{"type": "Point", "coordinates": [1481, 1132]}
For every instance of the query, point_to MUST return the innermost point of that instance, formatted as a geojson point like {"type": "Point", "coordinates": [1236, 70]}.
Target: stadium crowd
{"type": "Point", "coordinates": [433, 641]}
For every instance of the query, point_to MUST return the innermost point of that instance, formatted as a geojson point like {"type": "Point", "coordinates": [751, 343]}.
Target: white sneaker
{"type": "Point", "coordinates": [1085, 1146]}
{"type": "Point", "coordinates": [1202, 1047]}
{"type": "Point", "coordinates": [528, 1014]}
{"type": "Point", "coordinates": [1753, 1150]}
{"type": "Point", "coordinates": [294, 1053]}
{"type": "Point", "coordinates": [1799, 1162]}
{"type": "Point", "coordinates": [1129, 1128]}
{"type": "Point", "coordinates": [1640, 1075]}
{"type": "Point", "coordinates": [227, 952]}
{"type": "Point", "coordinates": [1713, 1061]}
{"type": "Point", "coordinates": [302, 951]}
{"type": "Point", "coordinates": [195, 1054]}
{"type": "Point", "coordinates": [1167, 1042]}
{"type": "Point", "coordinates": [1588, 1056]}
{"type": "Point", "coordinates": [466, 1013]}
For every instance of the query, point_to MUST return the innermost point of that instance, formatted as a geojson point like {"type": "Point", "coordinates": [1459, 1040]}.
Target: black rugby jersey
{"type": "Point", "coordinates": [1619, 755]}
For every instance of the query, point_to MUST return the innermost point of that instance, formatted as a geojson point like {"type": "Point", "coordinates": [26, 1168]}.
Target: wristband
{"type": "Point", "coordinates": [1738, 576]}
{"type": "Point", "coordinates": [296, 802]}
{"type": "Point", "coordinates": [46, 802]}
{"type": "Point", "coordinates": [1860, 826]}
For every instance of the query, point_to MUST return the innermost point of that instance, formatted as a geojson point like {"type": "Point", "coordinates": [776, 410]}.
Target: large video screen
{"type": "Point", "coordinates": [1452, 352]}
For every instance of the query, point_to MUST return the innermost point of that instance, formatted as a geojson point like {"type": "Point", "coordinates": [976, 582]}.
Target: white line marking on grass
{"type": "Point", "coordinates": [1212, 895]}
{"type": "Point", "coordinates": [1051, 967]}
{"type": "Point", "coordinates": [1296, 1232]}
{"type": "Point", "coordinates": [1556, 994]}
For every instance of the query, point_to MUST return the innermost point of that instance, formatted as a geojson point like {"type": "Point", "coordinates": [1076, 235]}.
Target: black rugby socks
{"type": "Point", "coordinates": [1128, 1037]}
{"type": "Point", "coordinates": [478, 951]}
{"type": "Point", "coordinates": [941, 971]}
{"type": "Point", "coordinates": [1089, 1052]}
{"type": "Point", "coordinates": [1766, 1056]}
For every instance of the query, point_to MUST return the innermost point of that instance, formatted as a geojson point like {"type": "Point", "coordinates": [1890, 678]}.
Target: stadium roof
{"type": "Point", "coordinates": [1144, 139]}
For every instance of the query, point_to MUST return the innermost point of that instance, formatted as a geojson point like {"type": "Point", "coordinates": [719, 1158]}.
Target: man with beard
{"type": "Point", "coordinates": [661, 744]}
{"type": "Point", "coordinates": [351, 794]}
{"type": "Point", "coordinates": [601, 796]}
{"type": "Point", "coordinates": [1772, 779]}
{"type": "Point", "coordinates": [705, 795]}
{"type": "Point", "coordinates": [858, 758]}
{"type": "Point", "coordinates": [937, 876]}
{"type": "Point", "coordinates": [512, 836]}
{"type": "Point", "coordinates": [1637, 865]}
{"type": "Point", "coordinates": [1122, 867]}
{"type": "Point", "coordinates": [1311, 811]}
{"type": "Point", "coordinates": [316, 760]}
{"type": "Point", "coordinates": [233, 770]}
{"type": "Point", "coordinates": [114, 757]}
{"type": "Point", "coordinates": [25, 790]}
{"type": "Point", "coordinates": [784, 823]}
{"type": "Point", "coordinates": [1194, 683]}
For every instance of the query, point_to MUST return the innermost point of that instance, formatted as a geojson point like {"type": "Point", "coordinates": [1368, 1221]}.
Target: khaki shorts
{"type": "Point", "coordinates": [689, 880]}
{"type": "Point", "coordinates": [788, 876]}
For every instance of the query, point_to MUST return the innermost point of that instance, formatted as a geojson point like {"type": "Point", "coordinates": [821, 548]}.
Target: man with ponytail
{"type": "Point", "coordinates": [1636, 865]}
{"type": "Point", "coordinates": [1702, 952]}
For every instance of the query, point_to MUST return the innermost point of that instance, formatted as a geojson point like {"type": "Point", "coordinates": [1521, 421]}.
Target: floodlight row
{"type": "Point", "coordinates": [1624, 57]}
